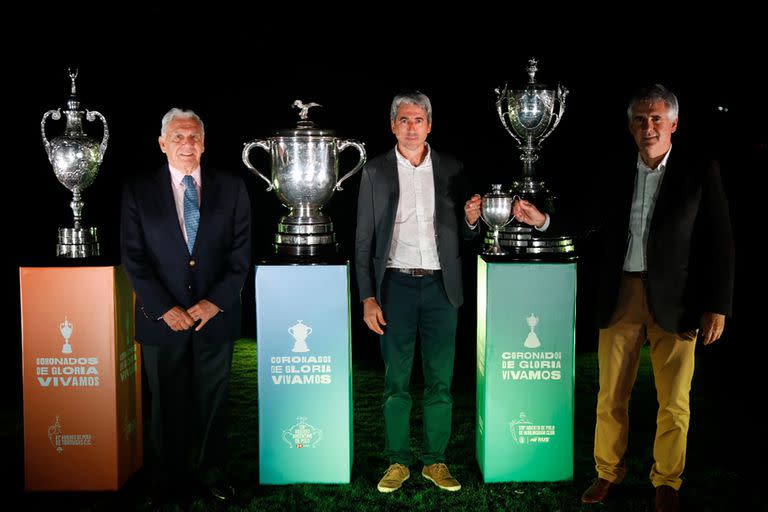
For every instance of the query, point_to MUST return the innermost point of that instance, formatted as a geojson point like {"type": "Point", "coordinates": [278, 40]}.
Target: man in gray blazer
{"type": "Point", "coordinates": [409, 273]}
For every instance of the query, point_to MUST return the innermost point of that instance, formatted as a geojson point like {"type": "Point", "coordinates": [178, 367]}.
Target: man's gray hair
{"type": "Point", "coordinates": [411, 98]}
{"type": "Point", "coordinates": [652, 94]}
{"type": "Point", "coordinates": [178, 113]}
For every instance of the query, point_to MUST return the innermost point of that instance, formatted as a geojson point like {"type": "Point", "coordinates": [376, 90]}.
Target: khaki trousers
{"type": "Point", "coordinates": [672, 357]}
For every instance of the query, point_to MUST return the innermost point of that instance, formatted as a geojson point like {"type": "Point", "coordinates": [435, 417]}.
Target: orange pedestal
{"type": "Point", "coordinates": [82, 379]}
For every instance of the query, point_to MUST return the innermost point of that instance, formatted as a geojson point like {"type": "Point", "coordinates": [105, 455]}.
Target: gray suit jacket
{"type": "Point", "coordinates": [376, 210]}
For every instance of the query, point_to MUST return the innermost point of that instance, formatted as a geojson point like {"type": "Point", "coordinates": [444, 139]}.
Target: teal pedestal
{"type": "Point", "coordinates": [526, 315]}
{"type": "Point", "coordinates": [305, 373]}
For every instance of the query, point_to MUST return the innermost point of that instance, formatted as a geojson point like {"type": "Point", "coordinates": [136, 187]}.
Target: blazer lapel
{"type": "Point", "coordinates": [210, 191]}
{"type": "Point", "coordinates": [166, 205]}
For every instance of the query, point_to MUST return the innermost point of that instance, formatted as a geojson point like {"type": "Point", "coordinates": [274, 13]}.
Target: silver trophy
{"type": "Point", "coordinates": [530, 115]}
{"type": "Point", "coordinates": [305, 170]}
{"type": "Point", "coordinates": [75, 158]}
{"type": "Point", "coordinates": [497, 213]}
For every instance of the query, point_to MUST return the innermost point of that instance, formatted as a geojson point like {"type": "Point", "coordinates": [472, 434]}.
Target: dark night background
{"type": "Point", "coordinates": [241, 71]}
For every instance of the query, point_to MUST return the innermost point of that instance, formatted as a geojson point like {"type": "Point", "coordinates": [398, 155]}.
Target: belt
{"type": "Point", "coordinates": [642, 274]}
{"type": "Point", "coordinates": [415, 272]}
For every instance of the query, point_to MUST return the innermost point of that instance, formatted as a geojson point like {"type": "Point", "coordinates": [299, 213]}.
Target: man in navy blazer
{"type": "Point", "coordinates": [666, 276]}
{"type": "Point", "coordinates": [408, 271]}
{"type": "Point", "coordinates": [186, 248]}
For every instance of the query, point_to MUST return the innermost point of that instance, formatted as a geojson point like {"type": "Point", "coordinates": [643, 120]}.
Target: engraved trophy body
{"type": "Point", "coordinates": [497, 213]}
{"type": "Point", "coordinates": [75, 158]}
{"type": "Point", "coordinates": [304, 175]}
{"type": "Point", "coordinates": [530, 114]}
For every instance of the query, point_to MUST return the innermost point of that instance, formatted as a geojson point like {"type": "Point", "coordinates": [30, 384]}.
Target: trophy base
{"type": "Point", "coordinates": [520, 241]}
{"type": "Point", "coordinates": [307, 251]}
{"type": "Point", "coordinates": [495, 251]}
{"type": "Point", "coordinates": [78, 243]}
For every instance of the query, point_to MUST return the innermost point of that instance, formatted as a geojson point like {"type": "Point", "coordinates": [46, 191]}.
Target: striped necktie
{"type": "Point", "coordinates": [191, 210]}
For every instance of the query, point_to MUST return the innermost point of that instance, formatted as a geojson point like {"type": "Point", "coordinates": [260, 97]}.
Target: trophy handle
{"type": "Point", "coordinates": [363, 156]}
{"type": "Point", "coordinates": [562, 92]}
{"type": "Point", "coordinates": [91, 115]}
{"type": "Point", "coordinates": [259, 143]}
{"type": "Point", "coordinates": [55, 115]}
{"type": "Point", "coordinates": [290, 331]}
{"type": "Point", "coordinates": [500, 95]}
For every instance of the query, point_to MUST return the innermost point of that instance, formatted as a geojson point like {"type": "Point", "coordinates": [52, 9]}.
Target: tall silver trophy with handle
{"type": "Point", "coordinates": [75, 158]}
{"type": "Point", "coordinates": [530, 114]}
{"type": "Point", "coordinates": [304, 175]}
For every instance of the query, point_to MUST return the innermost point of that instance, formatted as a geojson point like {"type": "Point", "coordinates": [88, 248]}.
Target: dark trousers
{"type": "Point", "coordinates": [188, 386]}
{"type": "Point", "coordinates": [412, 304]}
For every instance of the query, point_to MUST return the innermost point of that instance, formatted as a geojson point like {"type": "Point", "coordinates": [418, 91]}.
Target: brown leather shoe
{"type": "Point", "coordinates": [597, 492]}
{"type": "Point", "coordinates": [667, 499]}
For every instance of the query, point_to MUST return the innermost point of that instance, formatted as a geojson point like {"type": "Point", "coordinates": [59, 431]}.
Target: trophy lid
{"type": "Point", "coordinates": [305, 127]}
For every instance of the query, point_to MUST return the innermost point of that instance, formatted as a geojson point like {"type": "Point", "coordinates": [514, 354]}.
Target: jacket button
{"type": "Point", "coordinates": [191, 263]}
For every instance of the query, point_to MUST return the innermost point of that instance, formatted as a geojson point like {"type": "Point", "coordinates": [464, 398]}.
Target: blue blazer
{"type": "Point", "coordinates": [158, 263]}
{"type": "Point", "coordinates": [376, 210]}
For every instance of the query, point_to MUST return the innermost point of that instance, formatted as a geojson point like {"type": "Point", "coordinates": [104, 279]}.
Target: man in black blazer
{"type": "Point", "coordinates": [186, 248]}
{"type": "Point", "coordinates": [408, 271]}
{"type": "Point", "coordinates": [666, 276]}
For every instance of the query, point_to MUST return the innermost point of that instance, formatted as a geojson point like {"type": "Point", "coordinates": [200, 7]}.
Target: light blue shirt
{"type": "Point", "coordinates": [647, 183]}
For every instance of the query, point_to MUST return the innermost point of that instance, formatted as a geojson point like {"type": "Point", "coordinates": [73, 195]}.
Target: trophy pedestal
{"type": "Point", "coordinates": [305, 239]}
{"type": "Point", "coordinates": [78, 243]}
{"type": "Point", "coordinates": [304, 376]}
{"type": "Point", "coordinates": [525, 370]}
{"type": "Point", "coordinates": [81, 378]}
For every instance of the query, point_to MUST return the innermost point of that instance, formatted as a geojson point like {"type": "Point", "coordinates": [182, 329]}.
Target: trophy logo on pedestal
{"type": "Point", "coordinates": [65, 328]}
{"type": "Point", "coordinates": [305, 170]}
{"type": "Point", "coordinates": [75, 158]}
{"type": "Point", "coordinates": [54, 435]}
{"type": "Point", "coordinates": [300, 332]}
{"type": "Point", "coordinates": [532, 341]}
{"type": "Point", "coordinates": [302, 434]}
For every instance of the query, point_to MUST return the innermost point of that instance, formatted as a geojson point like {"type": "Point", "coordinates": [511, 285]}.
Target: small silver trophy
{"type": "Point", "coordinates": [305, 170]}
{"type": "Point", "coordinates": [530, 115]}
{"type": "Point", "coordinates": [497, 213]}
{"type": "Point", "coordinates": [75, 158]}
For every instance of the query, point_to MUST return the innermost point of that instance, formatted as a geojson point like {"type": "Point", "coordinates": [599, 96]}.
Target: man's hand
{"type": "Point", "coordinates": [525, 212]}
{"type": "Point", "coordinates": [203, 311]}
{"type": "Point", "coordinates": [712, 325]}
{"type": "Point", "coordinates": [472, 209]}
{"type": "Point", "coordinates": [178, 319]}
{"type": "Point", "coordinates": [373, 316]}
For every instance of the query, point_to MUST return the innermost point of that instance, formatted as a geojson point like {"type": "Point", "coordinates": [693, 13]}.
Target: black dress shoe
{"type": "Point", "coordinates": [597, 491]}
{"type": "Point", "coordinates": [667, 499]}
{"type": "Point", "coordinates": [221, 490]}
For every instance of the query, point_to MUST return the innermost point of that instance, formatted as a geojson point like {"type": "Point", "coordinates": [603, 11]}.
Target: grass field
{"type": "Point", "coordinates": [713, 480]}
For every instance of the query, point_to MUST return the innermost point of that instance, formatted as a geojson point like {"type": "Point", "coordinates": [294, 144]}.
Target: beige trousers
{"type": "Point", "coordinates": [672, 357]}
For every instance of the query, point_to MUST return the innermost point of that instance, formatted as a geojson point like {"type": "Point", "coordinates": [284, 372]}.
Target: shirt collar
{"type": "Point", "coordinates": [641, 166]}
{"type": "Point", "coordinates": [177, 175]}
{"type": "Point", "coordinates": [403, 160]}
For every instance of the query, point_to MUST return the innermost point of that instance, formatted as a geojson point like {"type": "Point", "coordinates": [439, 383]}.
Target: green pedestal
{"type": "Point", "coordinates": [526, 314]}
